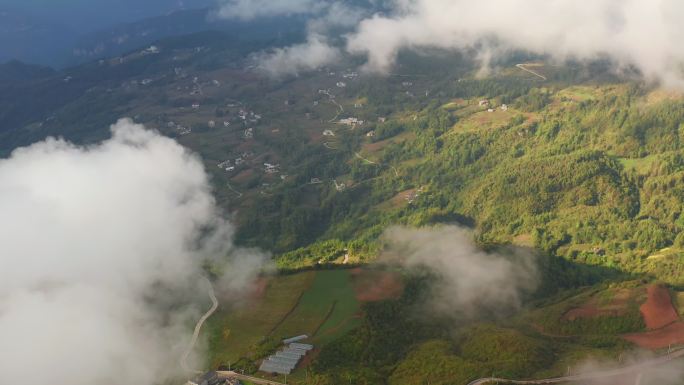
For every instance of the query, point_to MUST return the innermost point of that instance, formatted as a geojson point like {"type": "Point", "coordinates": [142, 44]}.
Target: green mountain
{"type": "Point", "coordinates": [582, 166]}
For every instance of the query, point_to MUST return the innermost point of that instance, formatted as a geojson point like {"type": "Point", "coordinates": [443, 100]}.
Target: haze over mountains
{"type": "Point", "coordinates": [47, 32]}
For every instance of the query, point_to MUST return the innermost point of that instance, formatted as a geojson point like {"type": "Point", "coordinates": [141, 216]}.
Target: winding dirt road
{"type": "Point", "coordinates": [635, 369]}
{"type": "Point", "coordinates": [198, 328]}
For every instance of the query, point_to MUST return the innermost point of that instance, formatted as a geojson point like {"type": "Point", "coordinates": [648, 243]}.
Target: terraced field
{"type": "Point", "coordinates": [321, 304]}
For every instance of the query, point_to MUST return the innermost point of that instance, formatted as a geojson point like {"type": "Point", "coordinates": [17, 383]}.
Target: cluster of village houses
{"type": "Point", "coordinates": [412, 196]}
{"type": "Point", "coordinates": [230, 164]}
{"type": "Point", "coordinates": [486, 104]}
{"type": "Point", "coordinates": [180, 129]}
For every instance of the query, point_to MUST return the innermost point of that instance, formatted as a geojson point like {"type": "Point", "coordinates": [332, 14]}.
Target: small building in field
{"type": "Point", "coordinates": [295, 339]}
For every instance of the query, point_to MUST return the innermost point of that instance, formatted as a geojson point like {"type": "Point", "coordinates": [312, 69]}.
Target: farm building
{"type": "Point", "coordinates": [295, 339]}
{"type": "Point", "coordinates": [284, 361]}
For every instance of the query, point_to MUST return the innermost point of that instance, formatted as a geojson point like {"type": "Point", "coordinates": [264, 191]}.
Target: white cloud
{"type": "Point", "coordinates": [315, 53]}
{"type": "Point", "coordinates": [471, 280]}
{"type": "Point", "coordinates": [643, 33]}
{"type": "Point", "coordinates": [252, 9]}
{"type": "Point", "coordinates": [98, 244]}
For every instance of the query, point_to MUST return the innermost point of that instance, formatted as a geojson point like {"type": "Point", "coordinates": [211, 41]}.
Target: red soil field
{"type": "Point", "coordinates": [373, 286]}
{"type": "Point", "coordinates": [586, 311]}
{"type": "Point", "coordinates": [591, 309]}
{"type": "Point", "coordinates": [661, 317]}
{"type": "Point", "coordinates": [658, 339]}
{"type": "Point", "coordinates": [658, 311]}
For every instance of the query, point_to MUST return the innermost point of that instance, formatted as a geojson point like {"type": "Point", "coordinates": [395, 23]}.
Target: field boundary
{"type": "Point", "coordinates": [288, 314]}
{"type": "Point", "coordinates": [325, 319]}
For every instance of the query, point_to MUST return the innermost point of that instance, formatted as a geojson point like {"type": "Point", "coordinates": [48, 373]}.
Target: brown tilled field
{"type": "Point", "coordinates": [371, 285]}
{"type": "Point", "coordinates": [658, 310]}
{"type": "Point", "coordinates": [616, 306]}
{"type": "Point", "coordinates": [662, 320]}
{"type": "Point", "coordinates": [658, 339]}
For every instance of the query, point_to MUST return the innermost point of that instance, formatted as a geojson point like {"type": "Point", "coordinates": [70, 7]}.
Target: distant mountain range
{"type": "Point", "coordinates": [33, 39]}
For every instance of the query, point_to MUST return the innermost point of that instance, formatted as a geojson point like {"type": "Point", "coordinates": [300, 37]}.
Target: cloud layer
{"type": "Point", "coordinates": [102, 249]}
{"type": "Point", "coordinates": [471, 280]}
{"type": "Point", "coordinates": [252, 9]}
{"type": "Point", "coordinates": [644, 34]}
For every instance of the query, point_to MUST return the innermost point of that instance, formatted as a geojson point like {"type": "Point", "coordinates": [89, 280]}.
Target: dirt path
{"type": "Point", "coordinates": [239, 194]}
{"type": "Point", "coordinates": [364, 159]}
{"type": "Point", "coordinates": [339, 112]}
{"type": "Point", "coordinates": [198, 328]}
{"type": "Point", "coordinates": [522, 67]}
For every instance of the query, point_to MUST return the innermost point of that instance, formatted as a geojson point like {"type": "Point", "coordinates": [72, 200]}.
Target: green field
{"type": "Point", "coordinates": [321, 304]}
{"type": "Point", "coordinates": [234, 333]}
{"type": "Point", "coordinates": [326, 306]}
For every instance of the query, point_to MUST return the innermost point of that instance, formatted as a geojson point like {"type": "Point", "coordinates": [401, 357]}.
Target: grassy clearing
{"type": "Point", "coordinates": [579, 93]}
{"type": "Point", "coordinates": [235, 333]}
{"type": "Point", "coordinates": [678, 302]}
{"type": "Point", "coordinates": [639, 165]}
{"type": "Point", "coordinates": [484, 121]}
{"type": "Point", "coordinates": [320, 303]}
{"type": "Point", "coordinates": [324, 307]}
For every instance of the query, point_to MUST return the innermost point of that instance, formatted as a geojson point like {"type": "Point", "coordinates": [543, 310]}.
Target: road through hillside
{"type": "Point", "coordinates": [198, 328]}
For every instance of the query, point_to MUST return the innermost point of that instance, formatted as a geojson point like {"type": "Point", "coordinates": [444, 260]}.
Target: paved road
{"type": "Point", "coordinates": [198, 327]}
{"type": "Point", "coordinates": [590, 376]}
{"type": "Point", "coordinates": [522, 67]}
{"type": "Point", "coordinates": [256, 380]}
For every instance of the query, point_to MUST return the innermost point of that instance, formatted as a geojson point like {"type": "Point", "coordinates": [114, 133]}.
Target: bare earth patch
{"type": "Point", "coordinates": [371, 286]}
{"type": "Point", "coordinates": [658, 339]}
{"type": "Point", "coordinates": [658, 310]}
{"type": "Point", "coordinates": [662, 320]}
{"type": "Point", "coordinates": [617, 306]}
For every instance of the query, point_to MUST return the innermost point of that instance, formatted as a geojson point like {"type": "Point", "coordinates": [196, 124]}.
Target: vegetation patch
{"type": "Point", "coordinates": [434, 362]}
